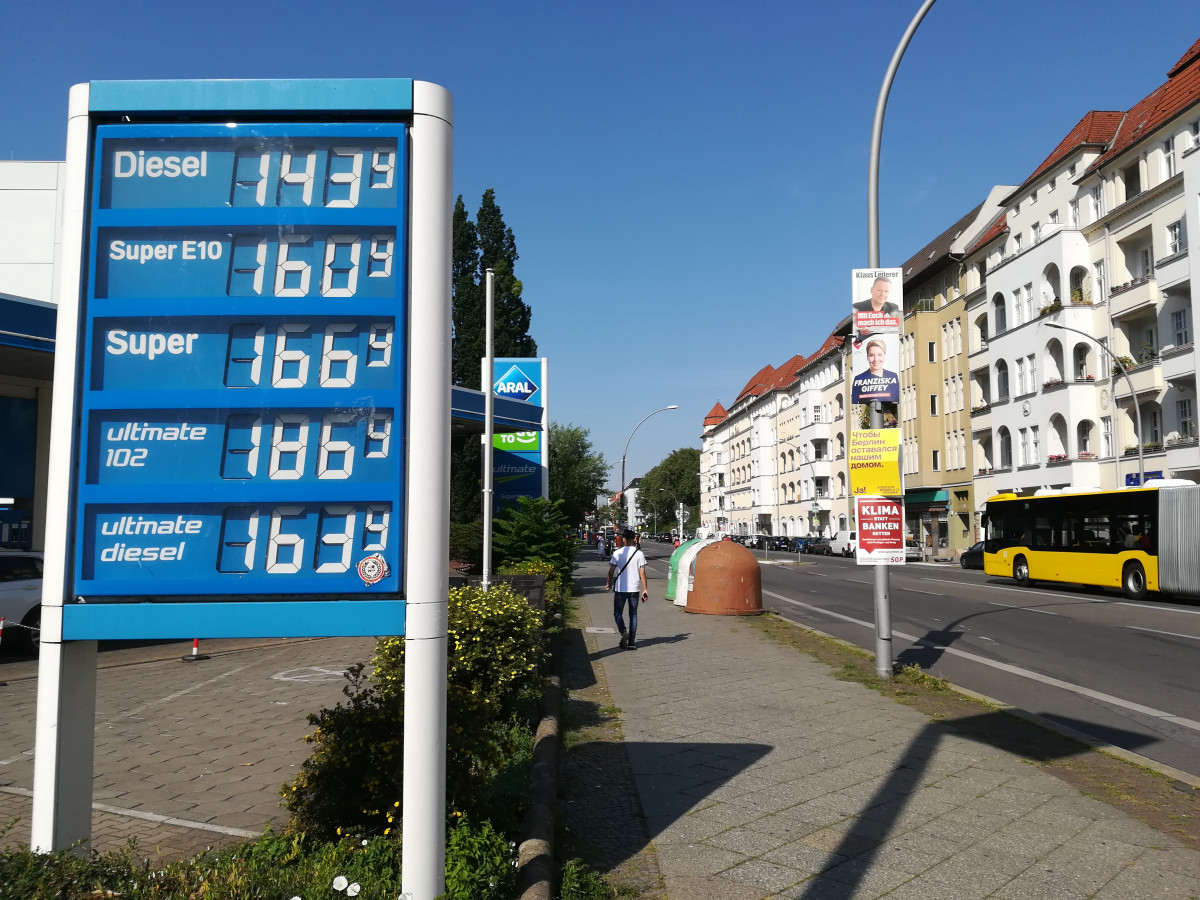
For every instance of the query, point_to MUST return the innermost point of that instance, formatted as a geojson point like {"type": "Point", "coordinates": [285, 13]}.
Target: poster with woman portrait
{"type": "Point", "coordinates": [870, 359]}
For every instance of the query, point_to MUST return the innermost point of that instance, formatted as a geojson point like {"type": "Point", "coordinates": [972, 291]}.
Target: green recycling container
{"type": "Point", "coordinates": [673, 570]}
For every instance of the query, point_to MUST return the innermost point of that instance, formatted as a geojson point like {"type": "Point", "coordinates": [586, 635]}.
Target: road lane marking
{"type": "Point", "coordinates": [1011, 669]}
{"type": "Point", "coordinates": [1044, 612]}
{"type": "Point", "coordinates": [1190, 612]}
{"type": "Point", "coordinates": [1192, 637]}
{"type": "Point", "coordinates": [918, 591]}
{"type": "Point", "coordinates": [152, 817]}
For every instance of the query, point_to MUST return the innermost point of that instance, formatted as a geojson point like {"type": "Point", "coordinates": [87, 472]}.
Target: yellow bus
{"type": "Point", "coordinates": [1138, 539]}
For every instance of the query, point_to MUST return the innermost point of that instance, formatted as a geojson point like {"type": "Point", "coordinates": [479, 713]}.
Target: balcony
{"type": "Point", "coordinates": [1179, 362]}
{"type": "Point", "coordinates": [1139, 295]}
{"type": "Point", "coordinates": [981, 418]}
{"type": "Point", "coordinates": [1147, 378]}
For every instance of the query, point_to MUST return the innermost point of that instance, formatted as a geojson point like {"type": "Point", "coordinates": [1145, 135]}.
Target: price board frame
{"type": "Point", "coordinates": [238, 450]}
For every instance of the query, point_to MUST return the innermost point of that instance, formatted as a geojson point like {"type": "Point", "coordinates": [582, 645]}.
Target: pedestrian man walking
{"type": "Point", "coordinates": [627, 580]}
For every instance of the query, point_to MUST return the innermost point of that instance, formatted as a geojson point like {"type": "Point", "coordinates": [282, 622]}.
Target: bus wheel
{"type": "Point", "coordinates": [1021, 572]}
{"type": "Point", "coordinates": [1134, 580]}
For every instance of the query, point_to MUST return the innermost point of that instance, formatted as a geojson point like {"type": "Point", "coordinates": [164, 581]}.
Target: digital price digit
{"type": "Point", "coordinates": [337, 257]}
{"type": "Point", "coordinates": [290, 435]}
{"type": "Point", "coordinates": [295, 175]}
{"type": "Point", "coordinates": [288, 529]}
{"type": "Point", "coordinates": [290, 361]}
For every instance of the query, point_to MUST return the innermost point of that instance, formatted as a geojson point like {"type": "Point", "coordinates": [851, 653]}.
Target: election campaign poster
{"type": "Point", "coordinates": [878, 301]}
{"type": "Point", "coordinates": [875, 463]}
{"type": "Point", "coordinates": [880, 524]}
{"type": "Point", "coordinates": [869, 362]}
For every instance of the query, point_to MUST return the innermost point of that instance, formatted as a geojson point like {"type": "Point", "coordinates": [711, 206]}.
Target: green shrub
{"type": "Point", "coordinates": [354, 777]}
{"type": "Point", "coordinates": [534, 529]}
{"type": "Point", "coordinates": [558, 589]}
{"type": "Point", "coordinates": [578, 882]}
{"type": "Point", "coordinates": [479, 863]}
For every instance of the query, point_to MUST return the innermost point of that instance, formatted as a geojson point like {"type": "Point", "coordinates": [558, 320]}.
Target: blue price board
{"type": "Point", "coordinates": [243, 362]}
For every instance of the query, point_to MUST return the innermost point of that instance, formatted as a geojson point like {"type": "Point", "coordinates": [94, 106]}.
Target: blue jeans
{"type": "Point", "coordinates": [620, 598]}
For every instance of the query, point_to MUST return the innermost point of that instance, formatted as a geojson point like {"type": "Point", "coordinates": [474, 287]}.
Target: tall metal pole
{"type": "Point", "coordinates": [883, 611]}
{"type": "Point", "coordinates": [1137, 404]}
{"type": "Point", "coordinates": [489, 428]}
{"type": "Point", "coordinates": [626, 450]}
{"type": "Point", "coordinates": [423, 863]}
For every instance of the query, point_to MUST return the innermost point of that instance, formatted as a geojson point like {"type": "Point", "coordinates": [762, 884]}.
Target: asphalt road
{"type": "Point", "coordinates": [1125, 673]}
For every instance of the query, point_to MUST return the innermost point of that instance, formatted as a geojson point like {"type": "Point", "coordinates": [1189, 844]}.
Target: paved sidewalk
{"type": "Point", "coordinates": [761, 775]}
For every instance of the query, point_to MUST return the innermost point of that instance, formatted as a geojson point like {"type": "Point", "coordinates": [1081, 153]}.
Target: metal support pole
{"type": "Point", "coordinates": [489, 427]}
{"type": "Point", "coordinates": [883, 612]}
{"type": "Point", "coordinates": [423, 861]}
{"type": "Point", "coordinates": [626, 451]}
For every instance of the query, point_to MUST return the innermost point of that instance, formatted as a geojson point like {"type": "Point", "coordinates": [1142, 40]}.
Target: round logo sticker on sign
{"type": "Point", "coordinates": [372, 569]}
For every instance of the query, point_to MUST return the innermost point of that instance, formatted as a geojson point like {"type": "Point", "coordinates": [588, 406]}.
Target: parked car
{"type": "Point", "coordinates": [914, 551]}
{"type": "Point", "coordinates": [819, 546]}
{"type": "Point", "coordinates": [972, 557]}
{"type": "Point", "coordinates": [844, 543]}
{"type": "Point", "coordinates": [780, 542]}
{"type": "Point", "coordinates": [20, 597]}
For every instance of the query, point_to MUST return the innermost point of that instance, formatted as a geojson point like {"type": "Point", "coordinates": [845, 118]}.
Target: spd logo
{"type": "Point", "coordinates": [514, 384]}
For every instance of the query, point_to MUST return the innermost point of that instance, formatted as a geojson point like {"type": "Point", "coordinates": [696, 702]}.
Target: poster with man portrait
{"type": "Point", "coordinates": [878, 301]}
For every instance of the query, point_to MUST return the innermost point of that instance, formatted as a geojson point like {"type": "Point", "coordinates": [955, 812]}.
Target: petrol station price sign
{"type": "Point", "coordinates": [243, 361]}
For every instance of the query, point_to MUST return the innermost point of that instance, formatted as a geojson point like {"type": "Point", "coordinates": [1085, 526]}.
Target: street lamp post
{"type": "Point", "coordinates": [883, 603]}
{"type": "Point", "coordinates": [678, 511]}
{"type": "Point", "coordinates": [626, 450]}
{"type": "Point", "coordinates": [1137, 404]}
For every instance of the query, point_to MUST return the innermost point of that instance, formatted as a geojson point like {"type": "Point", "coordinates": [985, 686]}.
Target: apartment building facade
{"type": "Point", "coordinates": [1048, 337]}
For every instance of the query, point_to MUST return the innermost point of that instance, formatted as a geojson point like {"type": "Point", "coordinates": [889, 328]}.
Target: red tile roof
{"type": "Point", "coordinates": [1181, 91]}
{"type": "Point", "coordinates": [1095, 129]}
{"type": "Point", "coordinates": [999, 227]}
{"type": "Point", "coordinates": [757, 385]}
{"type": "Point", "coordinates": [716, 415]}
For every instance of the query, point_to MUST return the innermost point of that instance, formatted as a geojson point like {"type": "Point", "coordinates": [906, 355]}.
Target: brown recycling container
{"type": "Point", "coordinates": [725, 581]}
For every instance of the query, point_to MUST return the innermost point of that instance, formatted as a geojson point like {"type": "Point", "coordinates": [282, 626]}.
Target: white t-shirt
{"type": "Point", "coordinates": [628, 580]}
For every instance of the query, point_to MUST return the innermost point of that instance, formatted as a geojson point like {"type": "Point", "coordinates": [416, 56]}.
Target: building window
{"type": "Point", "coordinates": [1183, 414]}
{"type": "Point", "coordinates": [1033, 197]}
{"type": "Point", "coordinates": [1153, 430]}
{"type": "Point", "coordinates": [933, 404]}
{"type": "Point", "coordinates": [1132, 176]}
{"type": "Point", "coordinates": [1016, 244]}
{"type": "Point", "coordinates": [1053, 217]}
{"type": "Point", "coordinates": [1023, 459]}
{"type": "Point", "coordinates": [1073, 211]}
{"type": "Point", "coordinates": [1020, 377]}
{"type": "Point", "coordinates": [1098, 280]}
{"type": "Point", "coordinates": [1168, 158]}
{"type": "Point", "coordinates": [1179, 325]}
{"type": "Point", "coordinates": [1029, 302]}
{"type": "Point", "coordinates": [936, 460]}
{"type": "Point", "coordinates": [1106, 437]}
{"type": "Point", "coordinates": [1098, 202]}
{"type": "Point", "coordinates": [932, 351]}
{"type": "Point", "coordinates": [1071, 171]}
{"type": "Point", "coordinates": [1033, 438]}
{"type": "Point", "coordinates": [817, 415]}
{"type": "Point", "coordinates": [1176, 242]}
{"type": "Point", "coordinates": [1050, 186]}
{"type": "Point", "coordinates": [1035, 233]}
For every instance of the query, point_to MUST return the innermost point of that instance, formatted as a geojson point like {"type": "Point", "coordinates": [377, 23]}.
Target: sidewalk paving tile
{"type": "Point", "coordinates": [789, 783]}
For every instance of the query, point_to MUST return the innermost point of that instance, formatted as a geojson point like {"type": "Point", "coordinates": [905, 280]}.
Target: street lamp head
{"type": "Point", "coordinates": [673, 406]}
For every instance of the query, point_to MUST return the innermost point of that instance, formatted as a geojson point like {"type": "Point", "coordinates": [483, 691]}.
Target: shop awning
{"type": "Point", "coordinates": [926, 495]}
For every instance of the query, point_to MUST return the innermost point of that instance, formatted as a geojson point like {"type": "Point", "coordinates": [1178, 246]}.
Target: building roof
{"type": "Point", "coordinates": [716, 415]}
{"type": "Point", "coordinates": [758, 384]}
{"type": "Point", "coordinates": [1094, 130]}
{"type": "Point", "coordinates": [786, 373]}
{"type": "Point", "coordinates": [938, 248]}
{"type": "Point", "coordinates": [999, 227]}
{"type": "Point", "coordinates": [1181, 91]}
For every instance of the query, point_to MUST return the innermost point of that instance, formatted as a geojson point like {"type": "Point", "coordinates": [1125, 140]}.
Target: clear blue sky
{"type": "Point", "coordinates": [686, 180]}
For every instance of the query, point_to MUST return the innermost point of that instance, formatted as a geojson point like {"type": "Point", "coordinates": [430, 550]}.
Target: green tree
{"type": "Point", "coordinates": [677, 475]}
{"type": "Point", "coordinates": [577, 472]}
{"type": "Point", "coordinates": [478, 246]}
